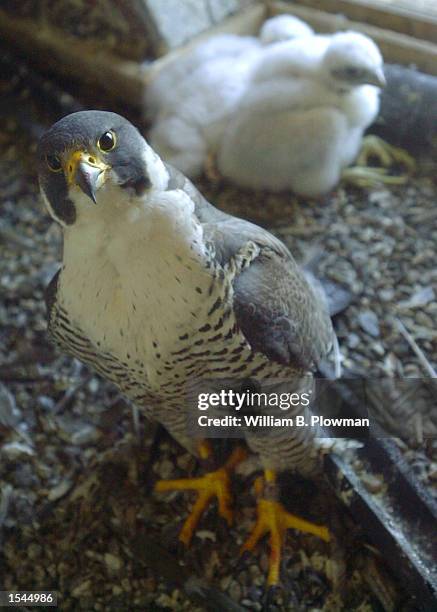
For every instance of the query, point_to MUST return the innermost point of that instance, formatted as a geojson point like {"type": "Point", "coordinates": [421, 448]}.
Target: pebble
{"type": "Point", "coordinates": [386, 295]}
{"type": "Point", "coordinates": [372, 483]}
{"type": "Point", "coordinates": [113, 563]}
{"type": "Point", "coordinates": [378, 348]}
{"type": "Point", "coordinates": [166, 469]}
{"type": "Point", "coordinates": [93, 385]}
{"type": "Point", "coordinates": [60, 490]}
{"type": "Point", "coordinates": [353, 340]}
{"type": "Point", "coordinates": [86, 435]}
{"type": "Point", "coordinates": [81, 589]}
{"type": "Point", "coordinates": [205, 534]}
{"type": "Point", "coordinates": [46, 402]}
{"type": "Point", "coordinates": [16, 450]}
{"type": "Point", "coordinates": [235, 591]}
{"type": "Point", "coordinates": [420, 298]}
{"type": "Point", "coordinates": [251, 605]}
{"type": "Point", "coordinates": [34, 551]}
{"type": "Point", "coordinates": [184, 462]}
{"type": "Point", "coordinates": [9, 413]}
{"type": "Point", "coordinates": [369, 322]}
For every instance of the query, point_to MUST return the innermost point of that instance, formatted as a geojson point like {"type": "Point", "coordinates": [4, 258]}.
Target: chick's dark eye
{"type": "Point", "coordinates": [107, 141]}
{"type": "Point", "coordinates": [351, 71]}
{"type": "Point", "coordinates": [54, 163]}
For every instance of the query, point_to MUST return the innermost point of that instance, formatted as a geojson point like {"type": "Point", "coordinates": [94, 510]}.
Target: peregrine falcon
{"type": "Point", "coordinates": [157, 287]}
{"type": "Point", "coordinates": [288, 115]}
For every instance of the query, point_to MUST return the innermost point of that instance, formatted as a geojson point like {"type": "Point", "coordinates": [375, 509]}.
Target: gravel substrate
{"type": "Point", "coordinates": [76, 461]}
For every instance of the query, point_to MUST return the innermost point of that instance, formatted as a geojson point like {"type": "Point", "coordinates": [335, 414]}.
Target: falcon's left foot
{"type": "Point", "coordinates": [363, 175]}
{"type": "Point", "coordinates": [273, 518]}
{"type": "Point", "coordinates": [214, 484]}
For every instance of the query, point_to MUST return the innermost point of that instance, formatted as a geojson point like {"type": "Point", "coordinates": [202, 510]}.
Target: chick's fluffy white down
{"type": "Point", "coordinates": [276, 114]}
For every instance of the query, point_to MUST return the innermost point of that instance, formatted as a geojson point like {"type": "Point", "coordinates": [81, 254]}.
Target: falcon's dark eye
{"type": "Point", "coordinates": [107, 141]}
{"type": "Point", "coordinates": [54, 163]}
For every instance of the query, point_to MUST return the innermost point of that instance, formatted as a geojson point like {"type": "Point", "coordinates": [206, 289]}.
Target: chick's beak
{"type": "Point", "coordinates": [84, 171]}
{"type": "Point", "coordinates": [377, 78]}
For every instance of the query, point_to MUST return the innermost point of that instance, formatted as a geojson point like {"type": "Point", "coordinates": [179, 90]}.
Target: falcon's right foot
{"type": "Point", "coordinates": [214, 484]}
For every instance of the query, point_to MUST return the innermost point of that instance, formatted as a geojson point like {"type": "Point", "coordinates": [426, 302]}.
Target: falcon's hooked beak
{"type": "Point", "coordinates": [84, 170]}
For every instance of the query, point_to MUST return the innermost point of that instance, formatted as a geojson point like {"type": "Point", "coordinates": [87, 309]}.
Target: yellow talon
{"type": "Point", "coordinates": [387, 154]}
{"type": "Point", "coordinates": [363, 175]}
{"type": "Point", "coordinates": [215, 484]}
{"type": "Point", "coordinates": [274, 519]}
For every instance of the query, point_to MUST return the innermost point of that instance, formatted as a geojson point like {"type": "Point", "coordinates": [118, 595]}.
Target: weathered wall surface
{"type": "Point", "coordinates": [174, 22]}
{"type": "Point", "coordinates": [133, 29]}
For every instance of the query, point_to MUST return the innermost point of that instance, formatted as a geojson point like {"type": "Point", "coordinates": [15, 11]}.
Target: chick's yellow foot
{"type": "Point", "coordinates": [274, 519]}
{"type": "Point", "coordinates": [385, 153]}
{"type": "Point", "coordinates": [214, 484]}
{"type": "Point", "coordinates": [363, 175]}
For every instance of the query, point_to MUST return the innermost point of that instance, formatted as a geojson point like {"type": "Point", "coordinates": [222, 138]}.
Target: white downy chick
{"type": "Point", "coordinates": [192, 99]}
{"type": "Point", "coordinates": [303, 114]}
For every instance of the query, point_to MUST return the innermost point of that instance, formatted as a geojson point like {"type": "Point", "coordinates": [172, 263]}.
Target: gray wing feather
{"type": "Point", "coordinates": [281, 312]}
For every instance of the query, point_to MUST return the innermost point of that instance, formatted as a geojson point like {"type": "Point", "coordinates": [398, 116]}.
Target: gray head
{"type": "Point", "coordinates": [353, 59]}
{"type": "Point", "coordinates": [87, 152]}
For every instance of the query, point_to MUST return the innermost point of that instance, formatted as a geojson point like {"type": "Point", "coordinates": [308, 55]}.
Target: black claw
{"type": "Point", "coordinates": [222, 528]}
{"type": "Point", "coordinates": [242, 561]}
{"type": "Point", "coordinates": [269, 597]}
{"type": "Point", "coordinates": [181, 549]}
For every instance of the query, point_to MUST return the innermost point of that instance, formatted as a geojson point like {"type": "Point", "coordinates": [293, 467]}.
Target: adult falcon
{"type": "Point", "coordinates": [157, 287]}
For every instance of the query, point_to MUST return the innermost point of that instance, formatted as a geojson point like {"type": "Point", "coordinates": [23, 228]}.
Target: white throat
{"type": "Point", "coordinates": [133, 272]}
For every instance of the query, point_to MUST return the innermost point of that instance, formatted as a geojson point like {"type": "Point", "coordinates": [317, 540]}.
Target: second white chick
{"type": "Point", "coordinates": [302, 118]}
{"type": "Point", "coordinates": [193, 97]}
{"type": "Point", "coordinates": [283, 27]}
